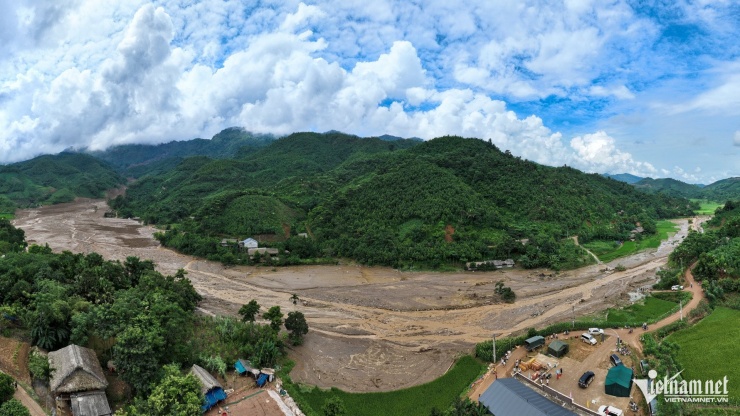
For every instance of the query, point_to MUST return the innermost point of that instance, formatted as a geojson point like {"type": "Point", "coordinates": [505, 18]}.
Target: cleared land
{"type": "Point", "coordinates": [418, 400]}
{"type": "Point", "coordinates": [372, 328]}
{"type": "Point", "coordinates": [607, 251]}
{"type": "Point", "coordinates": [709, 349]}
{"type": "Point", "coordinates": [707, 207]}
{"type": "Point", "coordinates": [645, 311]}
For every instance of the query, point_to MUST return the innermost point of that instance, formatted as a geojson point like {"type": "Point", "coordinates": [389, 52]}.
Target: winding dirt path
{"type": "Point", "coordinates": [372, 328]}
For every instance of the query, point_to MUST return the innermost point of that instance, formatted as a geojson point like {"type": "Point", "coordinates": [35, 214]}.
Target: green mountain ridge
{"type": "Point", "coordinates": [447, 200]}
{"type": "Point", "coordinates": [52, 179]}
{"type": "Point", "coordinates": [137, 160]}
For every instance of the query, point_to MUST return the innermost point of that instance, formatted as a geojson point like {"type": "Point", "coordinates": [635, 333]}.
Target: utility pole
{"type": "Point", "coordinates": [574, 316]}
{"type": "Point", "coordinates": [494, 350]}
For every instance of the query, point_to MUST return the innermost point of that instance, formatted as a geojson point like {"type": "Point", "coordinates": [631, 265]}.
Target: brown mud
{"type": "Point", "coordinates": [372, 328]}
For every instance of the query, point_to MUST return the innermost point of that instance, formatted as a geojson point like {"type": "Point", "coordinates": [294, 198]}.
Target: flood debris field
{"type": "Point", "coordinates": [372, 328]}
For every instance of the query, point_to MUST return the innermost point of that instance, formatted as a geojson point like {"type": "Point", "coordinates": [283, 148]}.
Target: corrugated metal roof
{"type": "Point", "coordinates": [90, 404]}
{"type": "Point", "coordinates": [508, 396]}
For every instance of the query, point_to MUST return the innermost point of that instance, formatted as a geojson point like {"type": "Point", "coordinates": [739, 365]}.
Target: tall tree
{"type": "Point", "coordinates": [275, 316]}
{"type": "Point", "coordinates": [249, 311]}
{"type": "Point", "coordinates": [297, 326]}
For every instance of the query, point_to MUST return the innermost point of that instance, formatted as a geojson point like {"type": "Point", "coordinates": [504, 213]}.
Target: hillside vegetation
{"type": "Point", "coordinates": [399, 203]}
{"type": "Point", "coordinates": [720, 191]}
{"type": "Point", "coordinates": [137, 160]}
{"type": "Point", "coordinates": [54, 179]}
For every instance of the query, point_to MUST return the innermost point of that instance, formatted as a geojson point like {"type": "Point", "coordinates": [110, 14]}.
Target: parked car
{"type": "Point", "coordinates": [588, 339]}
{"type": "Point", "coordinates": [586, 379]}
{"type": "Point", "coordinates": [614, 358]}
{"type": "Point", "coordinates": [609, 410]}
{"type": "Point", "coordinates": [676, 287]}
{"type": "Point", "coordinates": [595, 331]}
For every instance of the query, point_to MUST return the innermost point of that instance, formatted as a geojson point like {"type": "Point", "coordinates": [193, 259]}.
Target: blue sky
{"type": "Point", "coordinates": [649, 88]}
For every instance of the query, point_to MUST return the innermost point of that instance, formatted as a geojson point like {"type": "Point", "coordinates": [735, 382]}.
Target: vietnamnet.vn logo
{"type": "Point", "coordinates": [693, 391]}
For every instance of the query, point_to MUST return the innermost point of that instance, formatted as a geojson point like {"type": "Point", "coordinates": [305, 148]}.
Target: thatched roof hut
{"type": "Point", "coordinates": [75, 369]}
{"type": "Point", "coordinates": [207, 381]}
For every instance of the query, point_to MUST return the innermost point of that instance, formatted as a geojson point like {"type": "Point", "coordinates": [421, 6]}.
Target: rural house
{"type": "Point", "coordinates": [249, 243]}
{"type": "Point", "coordinates": [210, 387]}
{"type": "Point", "coordinates": [78, 381]}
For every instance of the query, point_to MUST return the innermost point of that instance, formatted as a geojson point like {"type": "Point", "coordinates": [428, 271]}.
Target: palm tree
{"type": "Point", "coordinates": [294, 298]}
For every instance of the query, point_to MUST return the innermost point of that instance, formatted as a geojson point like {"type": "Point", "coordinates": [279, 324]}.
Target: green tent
{"type": "Point", "coordinates": [618, 381]}
{"type": "Point", "coordinates": [557, 348]}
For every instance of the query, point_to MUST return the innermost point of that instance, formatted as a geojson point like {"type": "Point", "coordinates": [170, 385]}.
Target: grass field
{"type": "Point", "coordinates": [417, 400]}
{"type": "Point", "coordinates": [647, 311]}
{"type": "Point", "coordinates": [709, 349]}
{"type": "Point", "coordinates": [607, 251]}
{"type": "Point", "coordinates": [6, 216]}
{"type": "Point", "coordinates": [706, 207]}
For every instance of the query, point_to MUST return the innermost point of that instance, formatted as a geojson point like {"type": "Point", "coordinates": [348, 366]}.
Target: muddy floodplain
{"type": "Point", "coordinates": [372, 328]}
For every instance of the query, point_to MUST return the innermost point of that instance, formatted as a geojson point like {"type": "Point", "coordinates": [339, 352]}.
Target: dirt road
{"type": "Point", "coordinates": [33, 407]}
{"type": "Point", "coordinates": [372, 328]}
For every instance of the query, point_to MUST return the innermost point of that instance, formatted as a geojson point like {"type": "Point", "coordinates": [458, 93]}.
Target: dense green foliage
{"type": "Point", "coordinates": [413, 401]}
{"type": "Point", "coordinates": [174, 394]}
{"type": "Point", "coordinates": [7, 387]}
{"type": "Point", "coordinates": [54, 179]}
{"type": "Point", "coordinates": [400, 203]}
{"type": "Point", "coordinates": [131, 314]}
{"type": "Point", "coordinates": [716, 252]}
{"type": "Point", "coordinates": [14, 407]}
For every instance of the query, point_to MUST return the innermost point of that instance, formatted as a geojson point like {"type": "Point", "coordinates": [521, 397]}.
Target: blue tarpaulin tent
{"type": "Point", "coordinates": [261, 380]}
{"type": "Point", "coordinates": [242, 366]}
{"type": "Point", "coordinates": [212, 397]}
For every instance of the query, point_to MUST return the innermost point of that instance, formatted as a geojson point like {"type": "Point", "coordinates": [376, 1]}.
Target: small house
{"type": "Point", "coordinates": [209, 386]}
{"type": "Point", "coordinates": [557, 348]}
{"type": "Point", "coordinates": [78, 381]}
{"type": "Point", "coordinates": [534, 342]}
{"type": "Point", "coordinates": [249, 243]}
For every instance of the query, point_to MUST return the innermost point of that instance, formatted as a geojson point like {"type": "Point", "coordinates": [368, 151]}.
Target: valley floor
{"type": "Point", "coordinates": [372, 328]}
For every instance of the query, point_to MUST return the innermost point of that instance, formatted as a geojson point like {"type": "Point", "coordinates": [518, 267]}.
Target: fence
{"type": "Point", "coordinates": [566, 401]}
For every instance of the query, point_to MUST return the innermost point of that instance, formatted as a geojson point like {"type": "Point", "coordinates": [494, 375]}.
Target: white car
{"type": "Point", "coordinates": [588, 339]}
{"type": "Point", "coordinates": [676, 287]}
{"type": "Point", "coordinates": [595, 331]}
{"type": "Point", "coordinates": [609, 410]}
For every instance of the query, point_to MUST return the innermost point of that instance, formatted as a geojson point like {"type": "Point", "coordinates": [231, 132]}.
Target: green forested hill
{"type": "Point", "coordinates": [444, 201]}
{"type": "Point", "coordinates": [139, 159]}
{"type": "Point", "coordinates": [53, 179]}
{"type": "Point", "coordinates": [720, 191]}
{"type": "Point", "coordinates": [671, 187]}
{"type": "Point", "coordinates": [625, 177]}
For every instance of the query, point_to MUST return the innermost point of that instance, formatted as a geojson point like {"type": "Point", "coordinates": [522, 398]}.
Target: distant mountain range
{"type": "Point", "coordinates": [720, 191]}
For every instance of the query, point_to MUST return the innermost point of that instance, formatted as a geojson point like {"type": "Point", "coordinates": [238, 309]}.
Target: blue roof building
{"type": "Point", "coordinates": [509, 396]}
